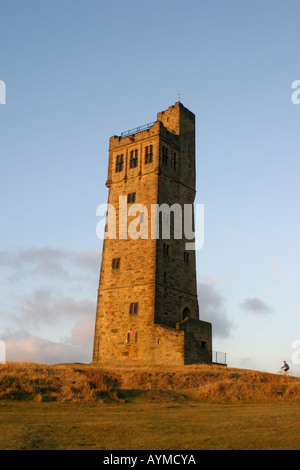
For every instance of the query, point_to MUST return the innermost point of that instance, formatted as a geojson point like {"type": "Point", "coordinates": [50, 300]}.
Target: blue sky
{"type": "Point", "coordinates": [78, 72]}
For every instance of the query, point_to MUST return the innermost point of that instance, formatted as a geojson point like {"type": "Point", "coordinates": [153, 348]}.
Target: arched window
{"type": "Point", "coordinates": [186, 313]}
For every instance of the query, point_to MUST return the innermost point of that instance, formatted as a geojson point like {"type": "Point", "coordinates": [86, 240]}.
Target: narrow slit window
{"type": "Point", "coordinates": [133, 162]}
{"type": "Point", "coordinates": [166, 249]}
{"type": "Point", "coordinates": [148, 154]}
{"type": "Point", "coordinates": [116, 263]}
{"type": "Point", "coordinates": [134, 308]}
{"type": "Point", "coordinates": [165, 155]}
{"type": "Point", "coordinates": [131, 198]}
{"type": "Point", "coordinates": [119, 163]}
{"type": "Point", "coordinates": [175, 162]}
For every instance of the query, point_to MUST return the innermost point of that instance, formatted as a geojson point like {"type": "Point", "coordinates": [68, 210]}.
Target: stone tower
{"type": "Point", "coordinates": [147, 308]}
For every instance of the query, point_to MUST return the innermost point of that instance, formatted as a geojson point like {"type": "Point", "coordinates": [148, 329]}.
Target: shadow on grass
{"type": "Point", "coordinates": [153, 395]}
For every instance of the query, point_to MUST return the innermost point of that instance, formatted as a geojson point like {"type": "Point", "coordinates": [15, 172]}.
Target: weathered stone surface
{"type": "Point", "coordinates": [166, 329]}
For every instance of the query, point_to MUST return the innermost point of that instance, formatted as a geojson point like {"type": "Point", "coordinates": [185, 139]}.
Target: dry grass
{"type": "Point", "coordinates": [193, 407]}
{"type": "Point", "coordinates": [88, 383]}
{"type": "Point", "coordinates": [39, 382]}
{"type": "Point", "coordinates": [213, 383]}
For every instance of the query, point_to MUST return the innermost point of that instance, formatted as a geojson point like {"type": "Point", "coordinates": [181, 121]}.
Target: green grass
{"type": "Point", "coordinates": [148, 423]}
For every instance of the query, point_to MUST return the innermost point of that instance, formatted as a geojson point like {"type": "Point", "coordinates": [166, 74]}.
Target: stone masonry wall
{"type": "Point", "coordinates": [164, 286]}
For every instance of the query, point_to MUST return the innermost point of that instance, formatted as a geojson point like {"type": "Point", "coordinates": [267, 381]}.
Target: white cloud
{"type": "Point", "coordinates": [22, 346]}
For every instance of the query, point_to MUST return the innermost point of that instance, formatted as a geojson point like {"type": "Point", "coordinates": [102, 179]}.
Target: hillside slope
{"type": "Point", "coordinates": [211, 382]}
{"type": "Point", "coordinates": [88, 383]}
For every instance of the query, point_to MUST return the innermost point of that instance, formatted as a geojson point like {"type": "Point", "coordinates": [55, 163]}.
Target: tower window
{"type": "Point", "coordinates": [129, 336]}
{"type": "Point", "coordinates": [186, 257]}
{"type": "Point", "coordinates": [149, 154]}
{"type": "Point", "coordinates": [165, 277]}
{"type": "Point", "coordinates": [119, 163]}
{"type": "Point", "coordinates": [186, 313]}
{"type": "Point", "coordinates": [165, 155]}
{"type": "Point", "coordinates": [166, 249]}
{"type": "Point", "coordinates": [133, 163]}
{"type": "Point", "coordinates": [131, 198]}
{"type": "Point", "coordinates": [175, 161]}
{"type": "Point", "coordinates": [134, 308]}
{"type": "Point", "coordinates": [116, 263]}
{"type": "Point", "coordinates": [136, 337]}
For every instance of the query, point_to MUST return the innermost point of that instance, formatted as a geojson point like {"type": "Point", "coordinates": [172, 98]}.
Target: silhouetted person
{"type": "Point", "coordinates": [285, 367]}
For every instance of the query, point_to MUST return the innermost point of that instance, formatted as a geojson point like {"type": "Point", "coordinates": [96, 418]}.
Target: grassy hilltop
{"type": "Point", "coordinates": [76, 406]}
{"type": "Point", "coordinates": [88, 383]}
